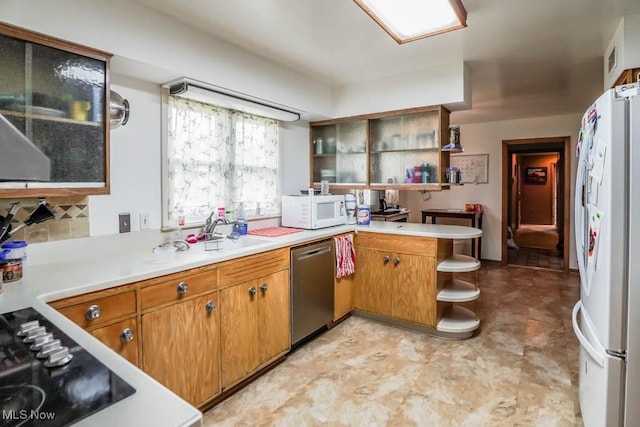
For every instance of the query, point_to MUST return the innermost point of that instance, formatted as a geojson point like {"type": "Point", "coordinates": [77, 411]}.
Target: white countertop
{"type": "Point", "coordinates": [61, 269]}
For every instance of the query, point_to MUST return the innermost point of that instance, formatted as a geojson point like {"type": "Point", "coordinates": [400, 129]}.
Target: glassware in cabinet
{"type": "Point", "coordinates": [405, 148]}
{"type": "Point", "coordinates": [55, 94]}
{"type": "Point", "coordinates": [339, 152]}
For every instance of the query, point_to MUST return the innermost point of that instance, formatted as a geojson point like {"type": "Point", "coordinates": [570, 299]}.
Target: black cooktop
{"type": "Point", "coordinates": [32, 394]}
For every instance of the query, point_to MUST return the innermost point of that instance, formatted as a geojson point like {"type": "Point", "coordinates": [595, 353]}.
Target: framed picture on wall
{"type": "Point", "coordinates": [537, 175]}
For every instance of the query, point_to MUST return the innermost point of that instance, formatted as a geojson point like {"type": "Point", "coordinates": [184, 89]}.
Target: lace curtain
{"type": "Point", "coordinates": [219, 157]}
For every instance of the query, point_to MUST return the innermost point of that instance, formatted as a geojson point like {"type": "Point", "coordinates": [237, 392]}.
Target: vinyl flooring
{"type": "Point", "coordinates": [519, 369]}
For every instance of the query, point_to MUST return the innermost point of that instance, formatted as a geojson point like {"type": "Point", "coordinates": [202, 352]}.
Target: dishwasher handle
{"type": "Point", "coordinates": [313, 252]}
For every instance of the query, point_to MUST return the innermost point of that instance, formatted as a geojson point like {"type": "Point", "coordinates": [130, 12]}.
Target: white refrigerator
{"type": "Point", "coordinates": [606, 319]}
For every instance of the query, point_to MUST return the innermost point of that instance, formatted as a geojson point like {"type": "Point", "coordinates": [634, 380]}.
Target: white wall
{"type": "Point", "coordinates": [294, 173]}
{"type": "Point", "coordinates": [135, 162]}
{"type": "Point", "coordinates": [481, 138]}
{"type": "Point", "coordinates": [626, 41]}
{"type": "Point", "coordinates": [154, 42]}
{"type": "Point", "coordinates": [431, 86]}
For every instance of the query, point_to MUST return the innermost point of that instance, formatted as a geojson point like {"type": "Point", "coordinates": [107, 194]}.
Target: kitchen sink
{"type": "Point", "coordinates": [226, 244]}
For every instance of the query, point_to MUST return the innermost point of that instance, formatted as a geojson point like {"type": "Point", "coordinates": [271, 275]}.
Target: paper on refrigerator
{"type": "Point", "coordinates": [595, 218]}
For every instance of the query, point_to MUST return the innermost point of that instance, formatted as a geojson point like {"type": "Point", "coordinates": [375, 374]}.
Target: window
{"type": "Point", "coordinates": [218, 157]}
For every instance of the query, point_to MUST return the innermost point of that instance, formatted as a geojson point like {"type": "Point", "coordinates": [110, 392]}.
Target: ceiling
{"type": "Point", "coordinates": [526, 58]}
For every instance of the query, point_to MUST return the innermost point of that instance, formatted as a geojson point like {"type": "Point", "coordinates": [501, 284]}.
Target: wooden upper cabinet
{"type": "Point", "coordinates": [627, 77]}
{"type": "Point", "coordinates": [396, 149]}
{"type": "Point", "coordinates": [55, 95]}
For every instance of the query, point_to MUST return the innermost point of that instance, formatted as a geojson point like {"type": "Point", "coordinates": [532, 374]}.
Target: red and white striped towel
{"type": "Point", "coordinates": [345, 256]}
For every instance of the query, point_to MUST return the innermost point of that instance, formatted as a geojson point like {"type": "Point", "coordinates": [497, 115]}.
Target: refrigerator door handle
{"type": "Point", "coordinates": [595, 355]}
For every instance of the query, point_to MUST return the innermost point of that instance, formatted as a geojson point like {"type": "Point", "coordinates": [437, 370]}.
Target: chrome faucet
{"type": "Point", "coordinates": [210, 225]}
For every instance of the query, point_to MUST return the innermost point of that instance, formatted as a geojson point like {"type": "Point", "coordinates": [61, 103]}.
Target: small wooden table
{"type": "Point", "coordinates": [474, 216]}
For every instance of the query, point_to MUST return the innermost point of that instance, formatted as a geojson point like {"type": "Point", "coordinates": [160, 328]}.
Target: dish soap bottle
{"type": "Point", "coordinates": [240, 226]}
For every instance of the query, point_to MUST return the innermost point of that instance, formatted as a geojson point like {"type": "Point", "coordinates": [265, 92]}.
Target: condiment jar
{"type": "Point", "coordinates": [12, 256]}
{"type": "Point", "coordinates": [14, 250]}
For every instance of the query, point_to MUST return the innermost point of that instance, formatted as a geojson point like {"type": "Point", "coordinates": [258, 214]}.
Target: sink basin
{"type": "Point", "coordinates": [225, 244]}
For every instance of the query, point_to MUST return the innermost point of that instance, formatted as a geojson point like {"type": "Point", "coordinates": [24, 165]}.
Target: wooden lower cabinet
{"type": "Point", "coordinates": [372, 277]}
{"type": "Point", "coordinates": [274, 316]}
{"type": "Point", "coordinates": [121, 337]}
{"type": "Point", "coordinates": [396, 285]}
{"type": "Point", "coordinates": [255, 324]}
{"type": "Point", "coordinates": [181, 347]}
{"type": "Point", "coordinates": [109, 315]}
{"type": "Point", "coordinates": [413, 288]}
{"type": "Point", "coordinates": [343, 291]}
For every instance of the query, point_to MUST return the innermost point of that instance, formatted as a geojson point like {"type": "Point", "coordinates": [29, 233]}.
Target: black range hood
{"type": "Point", "coordinates": [20, 159]}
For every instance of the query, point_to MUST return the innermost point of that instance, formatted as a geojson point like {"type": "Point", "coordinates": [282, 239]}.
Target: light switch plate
{"type": "Point", "coordinates": [144, 221]}
{"type": "Point", "coordinates": [125, 222]}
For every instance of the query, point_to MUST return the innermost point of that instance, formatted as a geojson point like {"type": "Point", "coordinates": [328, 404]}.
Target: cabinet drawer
{"type": "Point", "coordinates": [253, 266]}
{"type": "Point", "coordinates": [102, 310]}
{"type": "Point", "coordinates": [121, 337]}
{"type": "Point", "coordinates": [176, 287]}
{"type": "Point", "coordinates": [401, 244]}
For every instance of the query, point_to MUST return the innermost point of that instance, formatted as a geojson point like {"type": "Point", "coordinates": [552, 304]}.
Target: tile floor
{"type": "Point", "coordinates": [519, 370]}
{"type": "Point", "coordinates": [536, 257]}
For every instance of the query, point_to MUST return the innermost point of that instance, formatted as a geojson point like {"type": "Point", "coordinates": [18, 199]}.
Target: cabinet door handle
{"type": "Point", "coordinates": [183, 287]}
{"type": "Point", "coordinates": [93, 312]}
{"type": "Point", "coordinates": [126, 336]}
{"type": "Point", "coordinates": [264, 287]}
{"type": "Point", "coordinates": [252, 291]}
{"type": "Point", "coordinates": [210, 306]}
{"type": "Point", "coordinates": [396, 261]}
{"type": "Point", "coordinates": [385, 260]}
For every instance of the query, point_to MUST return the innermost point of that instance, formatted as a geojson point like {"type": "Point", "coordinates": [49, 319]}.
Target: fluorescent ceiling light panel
{"type": "Point", "coordinates": [408, 20]}
{"type": "Point", "coordinates": [214, 95]}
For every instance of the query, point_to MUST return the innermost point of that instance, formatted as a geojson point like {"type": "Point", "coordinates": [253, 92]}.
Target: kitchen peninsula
{"type": "Point", "coordinates": [101, 265]}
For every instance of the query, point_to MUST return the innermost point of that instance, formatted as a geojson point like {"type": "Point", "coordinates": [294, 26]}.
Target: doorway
{"type": "Point", "coordinates": [535, 202]}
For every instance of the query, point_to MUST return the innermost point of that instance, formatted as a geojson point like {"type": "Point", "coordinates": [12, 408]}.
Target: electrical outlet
{"type": "Point", "coordinates": [125, 222]}
{"type": "Point", "coordinates": [144, 221]}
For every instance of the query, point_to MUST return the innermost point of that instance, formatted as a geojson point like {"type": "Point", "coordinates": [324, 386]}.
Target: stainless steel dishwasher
{"type": "Point", "coordinates": [312, 276]}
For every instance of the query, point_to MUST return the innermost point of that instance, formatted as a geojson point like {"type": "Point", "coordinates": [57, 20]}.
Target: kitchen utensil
{"type": "Point", "coordinates": [118, 110]}
{"type": "Point", "coordinates": [40, 214]}
{"type": "Point", "coordinates": [5, 226]}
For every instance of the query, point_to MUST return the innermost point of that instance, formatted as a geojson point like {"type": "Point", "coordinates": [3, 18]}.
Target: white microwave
{"type": "Point", "coordinates": [311, 211]}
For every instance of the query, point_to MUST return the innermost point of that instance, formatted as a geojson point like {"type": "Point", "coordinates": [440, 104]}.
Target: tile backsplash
{"type": "Point", "coordinates": [71, 219]}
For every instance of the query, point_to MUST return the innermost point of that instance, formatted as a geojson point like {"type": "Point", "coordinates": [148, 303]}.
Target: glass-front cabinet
{"type": "Point", "coordinates": [53, 99]}
{"type": "Point", "coordinates": [339, 152]}
{"type": "Point", "coordinates": [398, 149]}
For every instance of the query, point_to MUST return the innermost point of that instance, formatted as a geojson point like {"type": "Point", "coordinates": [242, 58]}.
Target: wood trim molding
{"type": "Point", "coordinates": [506, 172]}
